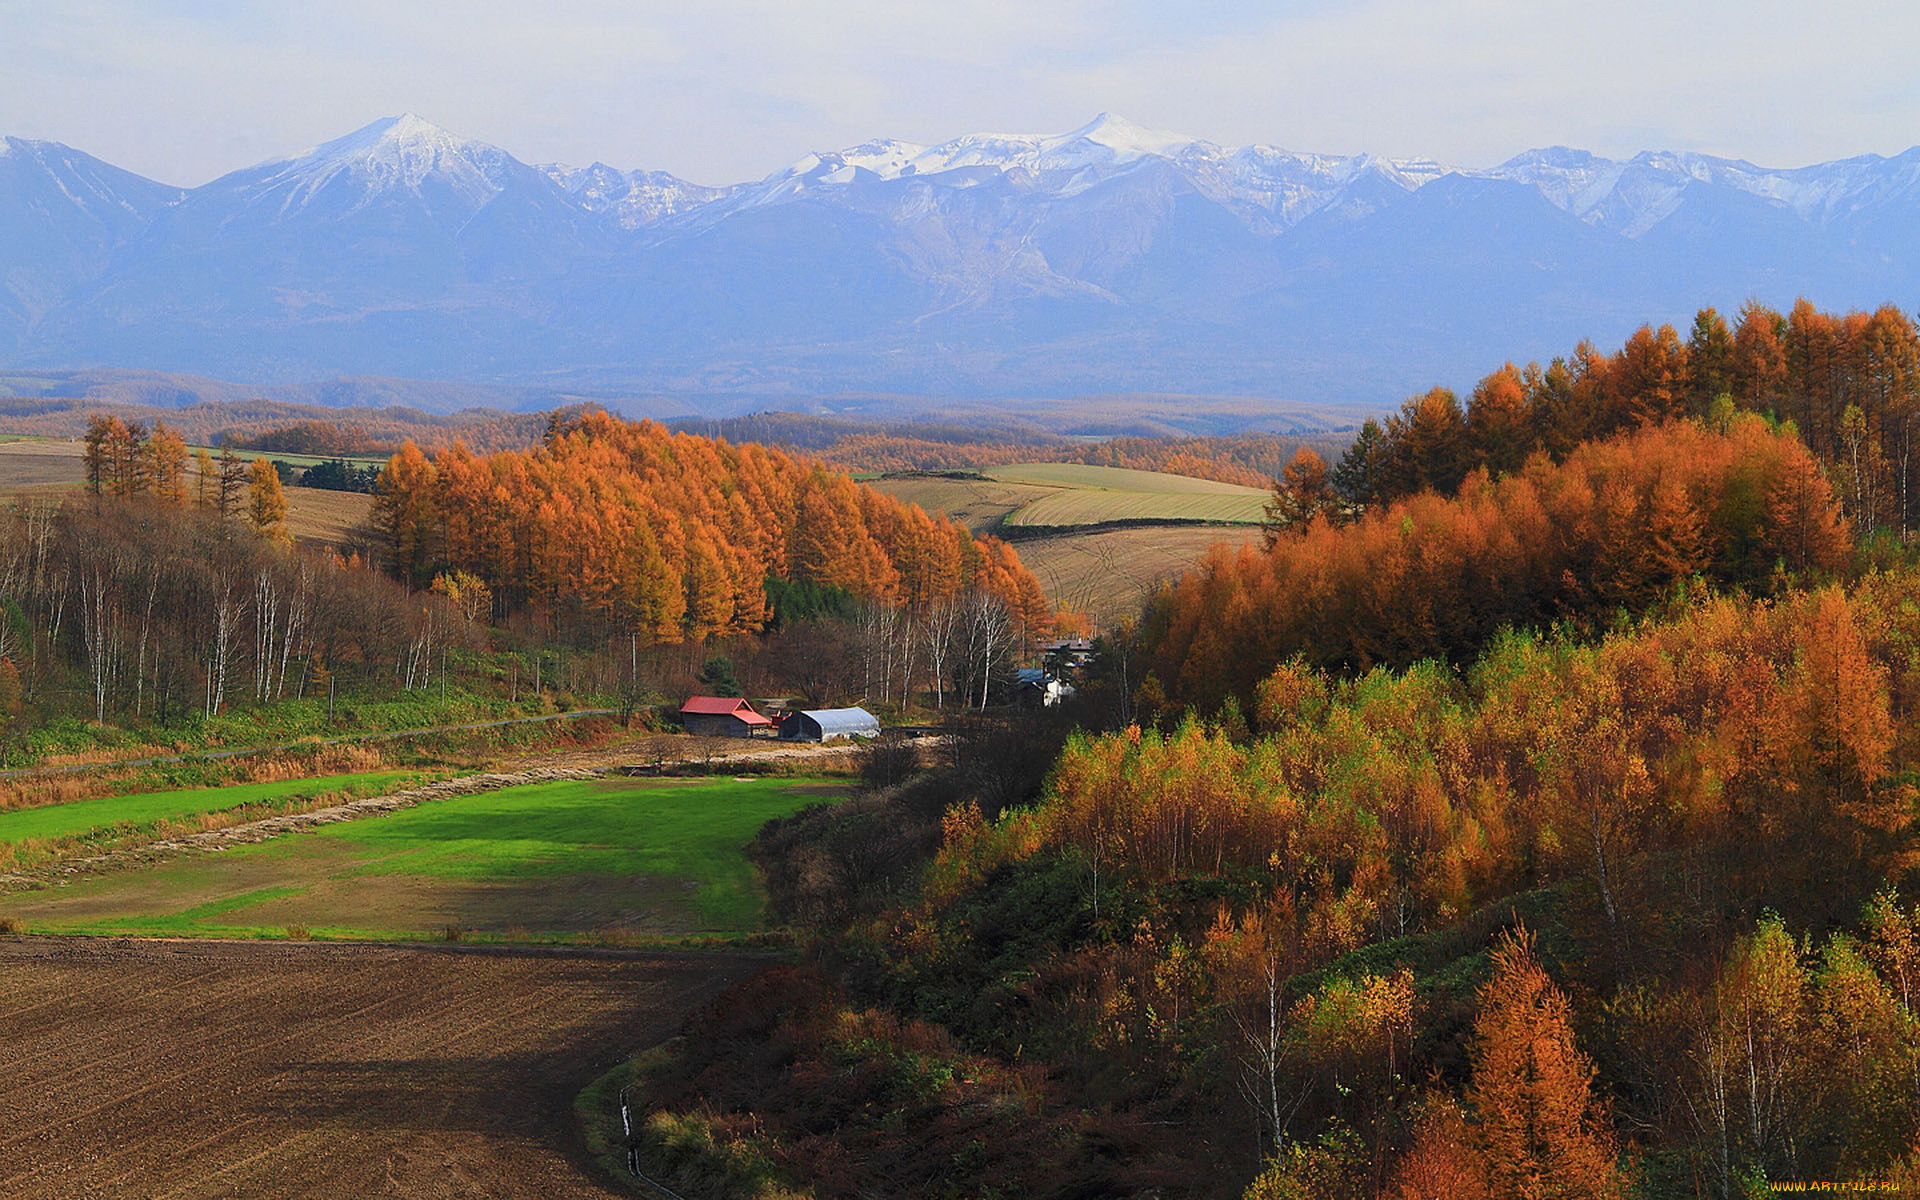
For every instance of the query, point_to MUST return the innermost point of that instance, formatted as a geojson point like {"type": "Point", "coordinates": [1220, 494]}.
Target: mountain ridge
{"type": "Point", "coordinates": [1110, 258]}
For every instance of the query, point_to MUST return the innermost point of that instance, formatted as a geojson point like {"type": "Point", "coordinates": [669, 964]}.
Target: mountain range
{"type": "Point", "coordinates": [1112, 259]}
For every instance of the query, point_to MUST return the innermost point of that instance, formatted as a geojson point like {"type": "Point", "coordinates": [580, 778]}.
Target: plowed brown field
{"type": "Point", "coordinates": [196, 1069]}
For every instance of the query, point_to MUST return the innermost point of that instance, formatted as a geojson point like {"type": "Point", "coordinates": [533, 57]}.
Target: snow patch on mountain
{"type": "Point", "coordinates": [631, 199]}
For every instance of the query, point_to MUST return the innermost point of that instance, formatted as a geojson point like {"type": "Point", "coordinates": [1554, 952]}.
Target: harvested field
{"type": "Point", "coordinates": [33, 464]}
{"type": "Point", "coordinates": [1087, 507]}
{"type": "Point", "coordinates": [976, 503]}
{"type": "Point", "coordinates": [46, 469]}
{"type": "Point", "coordinates": [182, 1070]}
{"type": "Point", "coordinates": [1107, 572]}
{"type": "Point", "coordinates": [324, 518]}
{"type": "Point", "coordinates": [1110, 574]}
{"type": "Point", "coordinates": [1064, 494]}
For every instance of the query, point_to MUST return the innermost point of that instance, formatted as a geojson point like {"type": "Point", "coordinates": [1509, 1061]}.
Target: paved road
{"type": "Point", "coordinates": [210, 755]}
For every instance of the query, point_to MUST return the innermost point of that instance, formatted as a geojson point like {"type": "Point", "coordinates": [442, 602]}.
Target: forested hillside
{"type": "Point", "coordinates": [1535, 816]}
{"type": "Point", "coordinates": [1616, 525]}
{"type": "Point", "coordinates": [674, 536]}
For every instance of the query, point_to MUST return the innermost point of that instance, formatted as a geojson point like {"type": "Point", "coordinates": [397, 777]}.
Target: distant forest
{"type": "Point", "coordinates": [280, 428]}
{"type": "Point", "coordinates": [1251, 460]}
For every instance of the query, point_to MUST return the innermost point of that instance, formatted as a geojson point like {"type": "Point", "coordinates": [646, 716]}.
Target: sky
{"type": "Point", "coordinates": [719, 91]}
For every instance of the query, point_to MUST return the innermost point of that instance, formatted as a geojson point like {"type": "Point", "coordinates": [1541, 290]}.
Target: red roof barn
{"type": "Point", "coordinates": [722, 716]}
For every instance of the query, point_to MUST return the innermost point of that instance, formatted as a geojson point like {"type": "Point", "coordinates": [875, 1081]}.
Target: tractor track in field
{"type": "Point", "coordinates": [201, 1068]}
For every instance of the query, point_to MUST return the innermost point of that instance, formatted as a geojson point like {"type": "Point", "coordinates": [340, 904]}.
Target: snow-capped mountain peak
{"type": "Point", "coordinates": [1124, 138]}
{"type": "Point", "coordinates": [1112, 256]}
{"type": "Point", "coordinates": [404, 157]}
{"type": "Point", "coordinates": [83, 180]}
{"type": "Point", "coordinates": [400, 151]}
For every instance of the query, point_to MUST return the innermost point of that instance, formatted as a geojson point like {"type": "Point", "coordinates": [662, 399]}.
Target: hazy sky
{"type": "Point", "coordinates": [723, 90]}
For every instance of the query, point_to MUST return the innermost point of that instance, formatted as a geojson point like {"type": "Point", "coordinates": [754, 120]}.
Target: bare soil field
{"type": "Point", "coordinates": [203, 1069]}
{"type": "Point", "coordinates": [32, 464]}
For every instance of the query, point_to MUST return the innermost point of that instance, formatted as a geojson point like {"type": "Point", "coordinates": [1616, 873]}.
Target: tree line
{"type": "Point", "coordinates": [127, 461]}
{"type": "Point", "coordinates": [1849, 385]}
{"type": "Point", "coordinates": [153, 612]}
{"type": "Point", "coordinates": [672, 537]}
{"type": "Point", "coordinates": [1613, 525]}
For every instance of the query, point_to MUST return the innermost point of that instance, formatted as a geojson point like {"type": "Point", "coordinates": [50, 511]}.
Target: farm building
{"type": "Point", "coordinates": [1033, 686]}
{"type": "Point", "coordinates": [825, 724]}
{"type": "Point", "coordinates": [722, 716]}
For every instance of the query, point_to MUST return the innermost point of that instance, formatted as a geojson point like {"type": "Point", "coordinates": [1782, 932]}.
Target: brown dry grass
{"type": "Point", "coordinates": [322, 518]}
{"type": "Point", "coordinates": [50, 470]}
{"type": "Point", "coordinates": [1111, 574]}
{"type": "Point", "coordinates": [60, 789]}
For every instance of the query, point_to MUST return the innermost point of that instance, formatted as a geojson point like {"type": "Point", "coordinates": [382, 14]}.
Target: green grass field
{"type": "Point", "coordinates": [1114, 479]}
{"type": "Point", "coordinates": [88, 816]}
{"type": "Point", "coordinates": [580, 859]}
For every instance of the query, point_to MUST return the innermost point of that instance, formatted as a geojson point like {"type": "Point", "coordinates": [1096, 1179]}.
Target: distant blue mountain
{"type": "Point", "coordinates": [1111, 259]}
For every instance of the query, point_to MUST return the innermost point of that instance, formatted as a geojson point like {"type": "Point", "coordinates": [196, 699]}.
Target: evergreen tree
{"type": "Point", "coordinates": [1356, 478]}
{"type": "Point", "coordinates": [716, 675]}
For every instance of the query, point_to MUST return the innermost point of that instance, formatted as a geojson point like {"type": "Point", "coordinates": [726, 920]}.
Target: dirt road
{"type": "Point", "coordinates": [392, 735]}
{"type": "Point", "coordinates": [198, 1069]}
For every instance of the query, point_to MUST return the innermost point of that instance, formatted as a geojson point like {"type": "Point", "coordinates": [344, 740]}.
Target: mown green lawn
{"type": "Point", "coordinates": [85, 816]}
{"type": "Point", "coordinates": [626, 858]}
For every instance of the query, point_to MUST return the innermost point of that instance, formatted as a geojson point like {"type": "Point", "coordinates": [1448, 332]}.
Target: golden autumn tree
{"type": "Point", "coordinates": [405, 511]}
{"type": "Point", "coordinates": [206, 479]}
{"type": "Point", "coordinates": [167, 465]}
{"type": "Point", "coordinates": [1498, 428]}
{"type": "Point", "coordinates": [1802, 514]}
{"type": "Point", "coordinates": [1541, 1133]}
{"type": "Point", "coordinates": [1651, 376]}
{"type": "Point", "coordinates": [1442, 1163]}
{"type": "Point", "coordinates": [266, 500]}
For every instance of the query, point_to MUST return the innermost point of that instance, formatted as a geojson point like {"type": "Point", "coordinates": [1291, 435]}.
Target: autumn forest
{"type": "Point", "coordinates": [1530, 812]}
